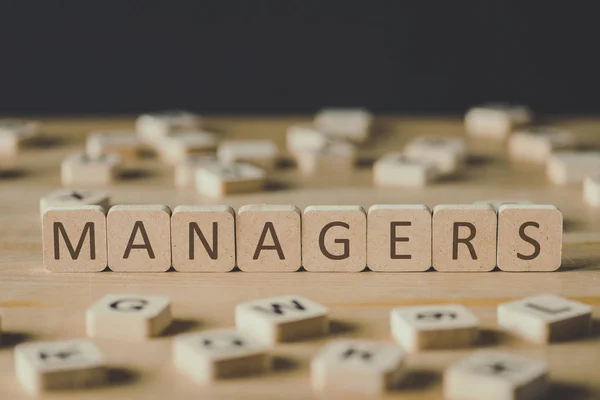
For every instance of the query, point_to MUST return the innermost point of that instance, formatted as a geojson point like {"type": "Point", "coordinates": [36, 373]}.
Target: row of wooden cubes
{"type": "Point", "coordinates": [280, 238]}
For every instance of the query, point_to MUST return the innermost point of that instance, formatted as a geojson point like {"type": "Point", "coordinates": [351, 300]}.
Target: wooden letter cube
{"type": "Point", "coordinates": [64, 364]}
{"type": "Point", "coordinates": [126, 144]}
{"type": "Point", "coordinates": [185, 171]}
{"type": "Point", "coordinates": [464, 237]}
{"type": "Point", "coordinates": [300, 138]}
{"type": "Point", "coordinates": [79, 169]}
{"type": "Point", "coordinates": [496, 121]}
{"type": "Point", "coordinates": [224, 353]}
{"type": "Point", "coordinates": [496, 376]}
{"type": "Point", "coordinates": [217, 180]}
{"type": "Point", "coordinates": [399, 238]}
{"type": "Point", "coordinates": [571, 167]}
{"type": "Point", "coordinates": [203, 238]}
{"type": "Point", "coordinates": [357, 366]}
{"type": "Point", "coordinates": [156, 125]}
{"type": "Point", "coordinates": [529, 237]}
{"type": "Point", "coordinates": [75, 197]}
{"type": "Point", "coordinates": [591, 189]}
{"type": "Point", "coordinates": [334, 239]}
{"type": "Point", "coordinates": [13, 133]}
{"type": "Point", "coordinates": [537, 144]}
{"type": "Point", "coordinates": [128, 316]}
{"type": "Point", "coordinates": [269, 238]}
{"type": "Point", "coordinates": [434, 327]}
{"type": "Point", "coordinates": [398, 170]}
{"type": "Point", "coordinates": [261, 153]}
{"type": "Point", "coordinates": [282, 319]}
{"type": "Point", "coordinates": [74, 239]}
{"type": "Point", "coordinates": [545, 318]}
{"type": "Point", "coordinates": [333, 160]}
{"type": "Point", "coordinates": [448, 154]}
{"type": "Point", "coordinates": [139, 238]}
{"type": "Point", "coordinates": [178, 147]}
{"type": "Point", "coordinates": [350, 124]}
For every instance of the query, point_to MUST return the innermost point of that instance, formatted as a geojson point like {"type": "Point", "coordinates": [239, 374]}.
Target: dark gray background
{"type": "Point", "coordinates": [296, 56]}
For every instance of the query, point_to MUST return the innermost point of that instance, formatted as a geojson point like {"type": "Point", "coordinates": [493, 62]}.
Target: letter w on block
{"type": "Point", "coordinates": [74, 239]}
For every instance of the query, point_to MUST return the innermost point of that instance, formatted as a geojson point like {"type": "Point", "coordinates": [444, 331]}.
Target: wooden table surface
{"type": "Point", "coordinates": [38, 305]}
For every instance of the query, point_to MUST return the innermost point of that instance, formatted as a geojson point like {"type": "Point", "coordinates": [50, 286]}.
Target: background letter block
{"type": "Point", "coordinates": [448, 154]}
{"type": "Point", "coordinates": [431, 327]}
{"type": "Point", "coordinates": [223, 353]}
{"type": "Point", "coordinates": [496, 376]}
{"type": "Point", "coordinates": [399, 238]}
{"type": "Point", "coordinates": [261, 153]}
{"type": "Point", "coordinates": [398, 170]}
{"type": "Point", "coordinates": [591, 189]}
{"type": "Point", "coordinates": [79, 169]}
{"type": "Point", "coordinates": [75, 197]}
{"type": "Point", "coordinates": [139, 238]}
{"type": "Point", "coordinates": [537, 144]}
{"type": "Point", "coordinates": [58, 365]}
{"type": "Point", "coordinates": [464, 237]}
{"type": "Point", "coordinates": [74, 239]}
{"type": "Point", "coordinates": [529, 237]}
{"type": "Point", "coordinates": [126, 144]}
{"type": "Point", "coordinates": [496, 120]}
{"type": "Point", "coordinates": [128, 316]}
{"type": "Point", "coordinates": [357, 366]}
{"type": "Point", "coordinates": [156, 125]}
{"type": "Point", "coordinates": [203, 238]}
{"type": "Point", "coordinates": [571, 167]}
{"type": "Point", "coordinates": [282, 319]}
{"type": "Point", "coordinates": [217, 180]}
{"type": "Point", "coordinates": [334, 239]}
{"type": "Point", "coordinates": [345, 123]}
{"type": "Point", "coordinates": [333, 160]}
{"type": "Point", "coordinates": [545, 318]}
{"type": "Point", "coordinates": [268, 238]}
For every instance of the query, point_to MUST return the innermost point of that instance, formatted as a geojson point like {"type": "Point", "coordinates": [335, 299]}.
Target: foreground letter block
{"type": "Point", "coordinates": [261, 153]}
{"type": "Point", "coordinates": [545, 318]}
{"type": "Point", "coordinates": [223, 353]}
{"type": "Point", "coordinates": [350, 124]}
{"type": "Point", "coordinates": [496, 121]}
{"type": "Point", "coordinates": [537, 144]}
{"type": "Point", "coordinates": [496, 376]}
{"type": "Point", "coordinates": [269, 238]}
{"type": "Point", "coordinates": [464, 237]}
{"type": "Point", "coordinates": [128, 316]}
{"type": "Point", "coordinates": [357, 366]}
{"type": "Point", "coordinates": [75, 197]}
{"type": "Point", "coordinates": [334, 239]}
{"type": "Point", "coordinates": [139, 238]}
{"type": "Point", "coordinates": [203, 238]}
{"type": "Point", "coordinates": [398, 170]}
{"type": "Point", "coordinates": [74, 239]}
{"type": "Point", "coordinates": [217, 180]}
{"type": "Point", "coordinates": [334, 159]}
{"type": "Point", "coordinates": [434, 327]}
{"type": "Point", "coordinates": [399, 238]}
{"type": "Point", "coordinates": [591, 189]}
{"type": "Point", "coordinates": [79, 169]}
{"type": "Point", "coordinates": [571, 167]}
{"type": "Point", "coordinates": [64, 364]}
{"type": "Point", "coordinates": [529, 237]}
{"type": "Point", "coordinates": [126, 145]}
{"type": "Point", "coordinates": [448, 154]}
{"type": "Point", "coordinates": [282, 319]}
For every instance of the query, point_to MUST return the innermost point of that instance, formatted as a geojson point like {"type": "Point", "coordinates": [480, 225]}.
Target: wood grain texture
{"type": "Point", "coordinates": [38, 305]}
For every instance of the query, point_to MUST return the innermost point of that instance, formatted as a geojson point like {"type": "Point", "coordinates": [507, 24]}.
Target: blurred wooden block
{"type": "Point", "coordinates": [75, 197]}
{"type": "Point", "coordinates": [13, 133]}
{"type": "Point", "coordinates": [269, 238]}
{"type": "Point", "coordinates": [591, 189]}
{"type": "Point", "coordinates": [178, 147]}
{"type": "Point", "coordinates": [185, 171]}
{"type": "Point", "coordinates": [399, 238]}
{"type": "Point", "coordinates": [80, 170]}
{"type": "Point", "coordinates": [126, 145]}
{"type": "Point", "coordinates": [496, 376]}
{"type": "Point", "coordinates": [334, 239]}
{"type": "Point", "coordinates": [434, 327]}
{"type": "Point", "coordinates": [153, 126]}
{"type": "Point", "coordinates": [352, 124]}
{"type": "Point", "coordinates": [447, 154]}
{"type": "Point", "coordinates": [64, 364]}
{"type": "Point", "coordinates": [334, 159]}
{"type": "Point", "coordinates": [305, 137]}
{"type": "Point", "coordinates": [139, 238]}
{"type": "Point", "coordinates": [203, 238]}
{"type": "Point", "coordinates": [545, 318]}
{"type": "Point", "coordinates": [357, 367]}
{"type": "Point", "coordinates": [398, 170]}
{"type": "Point", "coordinates": [497, 120]}
{"type": "Point", "coordinates": [529, 237]}
{"type": "Point", "coordinates": [216, 354]}
{"type": "Point", "coordinates": [261, 153]}
{"type": "Point", "coordinates": [217, 180]}
{"type": "Point", "coordinates": [571, 167]}
{"type": "Point", "coordinates": [74, 239]}
{"type": "Point", "coordinates": [464, 237]}
{"type": "Point", "coordinates": [538, 143]}
{"type": "Point", "coordinates": [128, 316]}
{"type": "Point", "coordinates": [282, 319]}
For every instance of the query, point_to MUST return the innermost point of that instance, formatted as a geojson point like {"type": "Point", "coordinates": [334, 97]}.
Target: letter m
{"type": "Point", "coordinates": [74, 252]}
